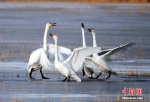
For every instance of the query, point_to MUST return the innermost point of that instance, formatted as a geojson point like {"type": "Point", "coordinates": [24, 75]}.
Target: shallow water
{"type": "Point", "coordinates": [15, 85]}
{"type": "Point", "coordinates": [22, 27]}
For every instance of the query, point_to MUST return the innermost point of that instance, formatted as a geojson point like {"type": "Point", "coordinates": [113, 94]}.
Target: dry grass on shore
{"type": "Point", "coordinates": [137, 73]}
{"type": "Point", "coordinates": [16, 51]}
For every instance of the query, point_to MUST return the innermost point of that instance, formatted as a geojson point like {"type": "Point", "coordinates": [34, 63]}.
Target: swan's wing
{"type": "Point", "coordinates": [34, 57]}
{"type": "Point", "coordinates": [51, 48]}
{"type": "Point", "coordinates": [117, 52]}
{"type": "Point", "coordinates": [62, 51]}
{"type": "Point", "coordinates": [62, 56]}
{"type": "Point", "coordinates": [102, 52]}
{"type": "Point", "coordinates": [78, 55]}
{"type": "Point", "coordinates": [44, 61]}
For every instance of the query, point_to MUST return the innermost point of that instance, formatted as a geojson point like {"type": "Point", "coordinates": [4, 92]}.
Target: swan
{"type": "Point", "coordinates": [86, 70]}
{"type": "Point", "coordinates": [87, 67]}
{"type": "Point", "coordinates": [99, 60]}
{"type": "Point", "coordinates": [39, 57]}
{"type": "Point", "coordinates": [74, 62]}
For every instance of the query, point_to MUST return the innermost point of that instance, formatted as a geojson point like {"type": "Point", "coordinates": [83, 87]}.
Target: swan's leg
{"type": "Point", "coordinates": [91, 77]}
{"type": "Point", "coordinates": [69, 79]}
{"type": "Point", "coordinates": [43, 75]}
{"type": "Point", "coordinates": [98, 75]}
{"type": "Point", "coordinates": [31, 73]}
{"type": "Point", "coordinates": [91, 73]}
{"type": "Point", "coordinates": [65, 79]}
{"type": "Point", "coordinates": [109, 75]}
{"type": "Point", "coordinates": [83, 71]}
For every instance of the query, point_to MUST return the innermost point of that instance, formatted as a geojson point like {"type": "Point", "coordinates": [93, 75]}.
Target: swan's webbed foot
{"type": "Point", "coordinates": [30, 74]}
{"type": "Point", "coordinates": [43, 77]}
{"type": "Point", "coordinates": [91, 77]}
{"type": "Point", "coordinates": [109, 75]}
{"type": "Point", "coordinates": [32, 77]}
{"type": "Point", "coordinates": [83, 71]}
{"type": "Point", "coordinates": [98, 75]}
{"type": "Point", "coordinates": [65, 79]}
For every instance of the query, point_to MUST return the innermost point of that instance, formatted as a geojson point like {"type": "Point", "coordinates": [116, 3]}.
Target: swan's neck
{"type": "Point", "coordinates": [56, 51]}
{"type": "Point", "coordinates": [83, 37]}
{"type": "Point", "coordinates": [94, 42]}
{"type": "Point", "coordinates": [94, 39]}
{"type": "Point", "coordinates": [45, 39]}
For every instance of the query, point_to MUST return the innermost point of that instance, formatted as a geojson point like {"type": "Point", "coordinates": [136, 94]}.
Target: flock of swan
{"type": "Point", "coordinates": [68, 62]}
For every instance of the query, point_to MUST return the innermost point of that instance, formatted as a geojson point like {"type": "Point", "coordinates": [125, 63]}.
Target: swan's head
{"type": "Point", "coordinates": [54, 36]}
{"type": "Point", "coordinates": [50, 24]}
{"type": "Point", "coordinates": [82, 25]}
{"type": "Point", "coordinates": [91, 30]}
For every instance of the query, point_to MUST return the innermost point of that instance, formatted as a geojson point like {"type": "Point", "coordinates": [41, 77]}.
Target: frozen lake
{"type": "Point", "coordinates": [22, 27]}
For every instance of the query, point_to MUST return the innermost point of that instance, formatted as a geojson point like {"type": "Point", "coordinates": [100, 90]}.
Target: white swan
{"type": "Point", "coordinates": [86, 70]}
{"type": "Point", "coordinates": [98, 60]}
{"type": "Point", "coordinates": [39, 57]}
{"type": "Point", "coordinates": [73, 62]}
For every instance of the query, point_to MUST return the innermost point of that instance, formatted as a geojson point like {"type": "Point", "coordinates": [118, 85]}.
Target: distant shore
{"type": "Point", "coordinates": [92, 1]}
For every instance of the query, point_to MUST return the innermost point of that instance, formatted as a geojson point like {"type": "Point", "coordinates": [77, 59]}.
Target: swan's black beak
{"type": "Point", "coordinates": [53, 24]}
{"type": "Point", "coordinates": [89, 30]}
{"type": "Point", "coordinates": [82, 25]}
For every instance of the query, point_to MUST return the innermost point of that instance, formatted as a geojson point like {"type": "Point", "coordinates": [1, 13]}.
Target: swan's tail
{"type": "Point", "coordinates": [29, 71]}
{"type": "Point", "coordinates": [110, 72]}
{"type": "Point", "coordinates": [114, 73]}
{"type": "Point", "coordinates": [28, 66]}
{"type": "Point", "coordinates": [75, 77]}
